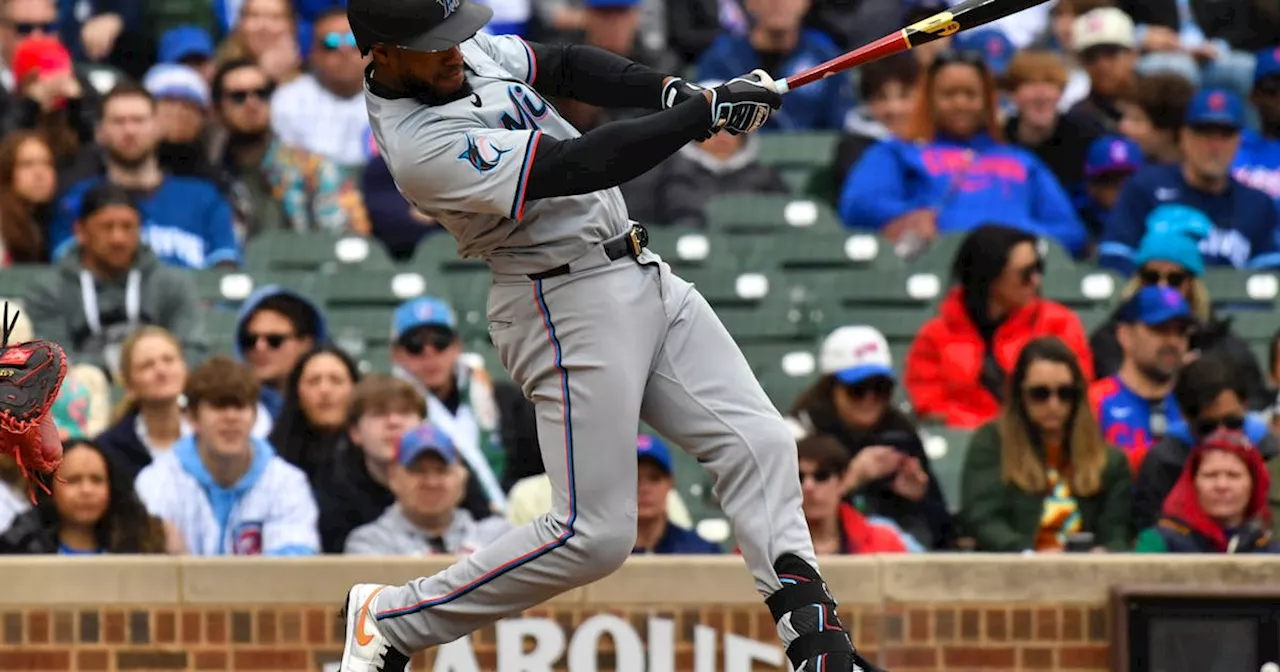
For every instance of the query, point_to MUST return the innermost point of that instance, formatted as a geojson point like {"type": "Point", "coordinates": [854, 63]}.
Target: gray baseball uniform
{"type": "Point", "coordinates": [596, 350]}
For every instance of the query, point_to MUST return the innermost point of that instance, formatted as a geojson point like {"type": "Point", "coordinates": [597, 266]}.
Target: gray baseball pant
{"type": "Point", "coordinates": [597, 350]}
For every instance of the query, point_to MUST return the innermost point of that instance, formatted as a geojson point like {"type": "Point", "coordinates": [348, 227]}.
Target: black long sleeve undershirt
{"type": "Point", "coordinates": [614, 153]}
{"type": "Point", "coordinates": [596, 77]}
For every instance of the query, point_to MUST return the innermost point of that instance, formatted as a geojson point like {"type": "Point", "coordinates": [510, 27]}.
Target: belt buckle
{"type": "Point", "coordinates": [637, 239]}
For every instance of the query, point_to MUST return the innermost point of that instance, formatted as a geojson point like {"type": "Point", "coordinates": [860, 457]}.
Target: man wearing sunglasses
{"type": "Point", "coordinates": [590, 323]}
{"type": "Point", "coordinates": [276, 327]}
{"type": "Point", "coordinates": [1135, 407]}
{"type": "Point", "coordinates": [490, 422]}
{"type": "Point", "coordinates": [1257, 163]}
{"type": "Point", "coordinates": [323, 110]}
{"type": "Point", "coordinates": [1211, 395]}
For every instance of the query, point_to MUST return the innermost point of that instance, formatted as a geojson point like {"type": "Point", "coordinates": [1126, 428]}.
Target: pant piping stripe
{"type": "Point", "coordinates": [573, 503]}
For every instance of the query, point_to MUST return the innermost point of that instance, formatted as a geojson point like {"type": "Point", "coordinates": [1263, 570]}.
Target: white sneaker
{"type": "Point", "coordinates": [366, 649]}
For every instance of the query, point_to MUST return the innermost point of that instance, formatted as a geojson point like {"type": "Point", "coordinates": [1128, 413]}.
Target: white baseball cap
{"type": "Point", "coordinates": [854, 354]}
{"type": "Point", "coordinates": [1104, 26]}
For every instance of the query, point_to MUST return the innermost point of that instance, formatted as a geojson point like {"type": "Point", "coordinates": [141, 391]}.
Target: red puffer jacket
{"type": "Point", "coordinates": [945, 360]}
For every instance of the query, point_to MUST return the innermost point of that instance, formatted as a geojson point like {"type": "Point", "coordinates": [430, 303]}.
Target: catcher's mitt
{"type": "Point", "coordinates": [31, 374]}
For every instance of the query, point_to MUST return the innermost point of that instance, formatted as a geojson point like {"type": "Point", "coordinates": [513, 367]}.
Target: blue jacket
{"type": "Point", "coordinates": [1257, 164]}
{"type": "Point", "coordinates": [271, 400]}
{"type": "Point", "coordinates": [971, 183]}
{"type": "Point", "coordinates": [185, 221]}
{"type": "Point", "coordinates": [1245, 220]}
{"type": "Point", "coordinates": [819, 106]}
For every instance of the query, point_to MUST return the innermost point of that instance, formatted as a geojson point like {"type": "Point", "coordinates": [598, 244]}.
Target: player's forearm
{"type": "Point", "coordinates": [616, 152]}
{"type": "Point", "coordinates": [595, 76]}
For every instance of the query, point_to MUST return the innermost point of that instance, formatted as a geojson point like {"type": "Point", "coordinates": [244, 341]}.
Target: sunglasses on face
{"type": "Point", "coordinates": [1211, 425]}
{"type": "Point", "coordinates": [250, 340]}
{"type": "Point", "coordinates": [1027, 273]}
{"type": "Point", "coordinates": [880, 388]}
{"type": "Point", "coordinates": [1173, 279]}
{"type": "Point", "coordinates": [418, 342]}
{"type": "Point", "coordinates": [819, 476]}
{"type": "Point", "coordinates": [953, 57]}
{"type": "Point", "coordinates": [240, 96]}
{"type": "Point", "coordinates": [29, 28]}
{"type": "Point", "coordinates": [335, 41]}
{"type": "Point", "coordinates": [1042, 393]}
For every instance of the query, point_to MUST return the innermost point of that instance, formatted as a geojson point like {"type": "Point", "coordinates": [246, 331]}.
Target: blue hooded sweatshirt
{"type": "Point", "coordinates": [269, 511]}
{"type": "Point", "coordinates": [970, 183]}
{"type": "Point", "coordinates": [270, 400]}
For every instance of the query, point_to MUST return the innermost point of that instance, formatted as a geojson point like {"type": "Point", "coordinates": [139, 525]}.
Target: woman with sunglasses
{"type": "Point", "coordinates": [1040, 476]}
{"type": "Point", "coordinates": [888, 471]}
{"type": "Point", "coordinates": [956, 367]}
{"type": "Point", "coordinates": [1169, 256]}
{"type": "Point", "coordinates": [1219, 504]}
{"type": "Point", "coordinates": [953, 171]}
{"type": "Point", "coordinates": [1211, 395]}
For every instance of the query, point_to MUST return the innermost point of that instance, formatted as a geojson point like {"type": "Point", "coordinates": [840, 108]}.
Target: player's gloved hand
{"type": "Point", "coordinates": [676, 91]}
{"type": "Point", "coordinates": [743, 104]}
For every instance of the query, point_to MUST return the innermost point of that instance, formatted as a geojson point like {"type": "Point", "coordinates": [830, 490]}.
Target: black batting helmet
{"type": "Point", "coordinates": [419, 25]}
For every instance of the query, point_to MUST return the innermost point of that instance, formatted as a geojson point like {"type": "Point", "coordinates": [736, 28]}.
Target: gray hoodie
{"type": "Point", "coordinates": [393, 534]}
{"type": "Point", "coordinates": [90, 317]}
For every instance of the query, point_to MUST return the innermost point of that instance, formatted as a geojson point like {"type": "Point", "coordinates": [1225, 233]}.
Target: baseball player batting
{"type": "Point", "coordinates": [594, 327]}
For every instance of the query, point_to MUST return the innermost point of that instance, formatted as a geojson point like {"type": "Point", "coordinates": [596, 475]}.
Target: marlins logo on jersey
{"type": "Point", "coordinates": [482, 154]}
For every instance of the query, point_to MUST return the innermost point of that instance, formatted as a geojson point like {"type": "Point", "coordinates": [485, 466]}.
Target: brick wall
{"type": "Point", "coordinates": [904, 638]}
{"type": "Point", "coordinates": [910, 615]}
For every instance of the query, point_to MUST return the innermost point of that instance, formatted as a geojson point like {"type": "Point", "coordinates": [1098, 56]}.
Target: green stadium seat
{"type": "Point", "coordinates": [220, 327]}
{"type": "Point", "coordinates": [1054, 254]}
{"type": "Point", "coordinates": [784, 388]}
{"type": "Point", "coordinates": [352, 326]}
{"type": "Point", "coordinates": [314, 251]}
{"type": "Point", "coordinates": [387, 287]}
{"type": "Point", "coordinates": [1235, 287]}
{"type": "Point", "coordinates": [827, 250]}
{"type": "Point", "coordinates": [721, 287]}
{"type": "Point", "coordinates": [808, 149]}
{"type": "Point", "coordinates": [939, 255]}
{"type": "Point", "coordinates": [685, 248]}
{"type": "Point", "coordinates": [797, 358]}
{"type": "Point", "coordinates": [796, 178]}
{"type": "Point", "coordinates": [1092, 318]}
{"type": "Point", "coordinates": [1254, 325]}
{"type": "Point", "coordinates": [770, 320]}
{"type": "Point", "coordinates": [376, 359]}
{"type": "Point", "coordinates": [468, 293]}
{"type": "Point", "coordinates": [16, 281]}
{"type": "Point", "coordinates": [757, 214]}
{"type": "Point", "coordinates": [1081, 287]}
{"type": "Point", "coordinates": [899, 324]}
{"type": "Point", "coordinates": [946, 448]}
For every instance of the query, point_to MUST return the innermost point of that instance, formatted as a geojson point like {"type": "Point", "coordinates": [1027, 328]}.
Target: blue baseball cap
{"type": "Point", "coordinates": [1268, 64]}
{"type": "Point", "coordinates": [649, 447]}
{"type": "Point", "coordinates": [184, 42]}
{"type": "Point", "coordinates": [423, 439]}
{"type": "Point", "coordinates": [1156, 305]}
{"type": "Point", "coordinates": [1216, 107]}
{"type": "Point", "coordinates": [1112, 154]}
{"type": "Point", "coordinates": [424, 311]}
{"type": "Point", "coordinates": [993, 45]}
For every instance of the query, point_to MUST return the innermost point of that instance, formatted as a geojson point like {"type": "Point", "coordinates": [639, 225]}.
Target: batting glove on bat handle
{"type": "Point", "coordinates": [743, 104]}
{"type": "Point", "coordinates": [676, 91]}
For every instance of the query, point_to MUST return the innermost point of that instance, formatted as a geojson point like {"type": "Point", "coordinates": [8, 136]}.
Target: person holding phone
{"type": "Point", "coordinates": [888, 472]}
{"type": "Point", "coordinates": [1040, 477]}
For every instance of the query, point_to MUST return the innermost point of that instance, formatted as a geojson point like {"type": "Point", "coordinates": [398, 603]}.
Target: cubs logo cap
{"type": "Point", "coordinates": [854, 354]}
{"type": "Point", "coordinates": [1216, 107]}
{"type": "Point", "coordinates": [417, 25]}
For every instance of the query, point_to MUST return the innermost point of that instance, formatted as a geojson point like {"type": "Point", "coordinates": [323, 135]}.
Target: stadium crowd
{"type": "Point", "coordinates": [143, 143]}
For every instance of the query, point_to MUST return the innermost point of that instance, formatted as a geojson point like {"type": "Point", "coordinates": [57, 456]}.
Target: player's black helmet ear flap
{"type": "Point", "coordinates": [417, 25]}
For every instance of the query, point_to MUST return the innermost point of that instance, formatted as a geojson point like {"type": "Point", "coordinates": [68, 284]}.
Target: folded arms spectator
{"type": "Point", "coordinates": [952, 172]}
{"type": "Point", "coordinates": [957, 366]}
{"type": "Point", "coordinates": [1041, 474]}
{"type": "Point", "coordinates": [227, 492]}
{"type": "Point", "coordinates": [108, 284]}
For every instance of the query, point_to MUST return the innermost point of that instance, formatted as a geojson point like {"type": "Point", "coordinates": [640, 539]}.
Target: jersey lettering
{"type": "Point", "coordinates": [529, 110]}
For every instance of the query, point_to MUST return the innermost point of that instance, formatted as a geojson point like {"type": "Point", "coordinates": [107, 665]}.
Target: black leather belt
{"type": "Point", "coordinates": [630, 244]}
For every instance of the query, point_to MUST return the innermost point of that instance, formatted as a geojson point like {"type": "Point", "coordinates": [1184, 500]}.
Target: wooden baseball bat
{"type": "Point", "coordinates": [966, 15]}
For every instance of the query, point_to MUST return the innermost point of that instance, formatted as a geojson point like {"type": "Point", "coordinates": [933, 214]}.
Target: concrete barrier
{"type": "Point", "coordinates": [701, 614]}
